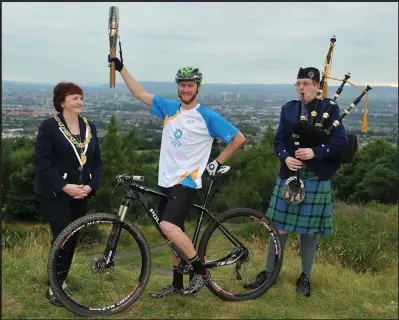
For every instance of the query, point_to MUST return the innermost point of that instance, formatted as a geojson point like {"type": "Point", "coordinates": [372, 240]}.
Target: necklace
{"type": "Point", "coordinates": [82, 155]}
{"type": "Point", "coordinates": [81, 145]}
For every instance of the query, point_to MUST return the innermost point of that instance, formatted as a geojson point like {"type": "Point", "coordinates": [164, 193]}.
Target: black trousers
{"type": "Point", "coordinates": [60, 214]}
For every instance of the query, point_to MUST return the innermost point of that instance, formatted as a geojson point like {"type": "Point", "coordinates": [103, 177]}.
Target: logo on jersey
{"type": "Point", "coordinates": [175, 141]}
{"type": "Point", "coordinates": [178, 134]}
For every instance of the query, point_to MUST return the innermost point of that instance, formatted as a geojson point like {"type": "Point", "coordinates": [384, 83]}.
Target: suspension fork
{"type": "Point", "coordinates": [113, 238]}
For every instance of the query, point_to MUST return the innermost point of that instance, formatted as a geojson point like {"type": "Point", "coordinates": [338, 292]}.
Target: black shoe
{"type": "Point", "coordinates": [168, 290]}
{"type": "Point", "coordinates": [260, 278]}
{"type": "Point", "coordinates": [53, 299]}
{"type": "Point", "coordinates": [303, 285]}
{"type": "Point", "coordinates": [197, 283]}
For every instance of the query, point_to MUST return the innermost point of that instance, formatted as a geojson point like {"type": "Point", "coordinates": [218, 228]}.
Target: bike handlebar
{"type": "Point", "coordinates": [124, 178]}
{"type": "Point", "coordinates": [128, 179]}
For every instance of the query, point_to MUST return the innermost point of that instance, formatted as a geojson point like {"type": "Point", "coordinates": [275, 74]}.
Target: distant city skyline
{"type": "Point", "coordinates": [231, 43]}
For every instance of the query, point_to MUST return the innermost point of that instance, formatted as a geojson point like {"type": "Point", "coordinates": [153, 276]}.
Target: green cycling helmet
{"type": "Point", "coordinates": [188, 74]}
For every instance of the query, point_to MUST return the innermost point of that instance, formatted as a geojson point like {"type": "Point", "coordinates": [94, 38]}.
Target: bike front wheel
{"type": "Point", "coordinates": [99, 280]}
{"type": "Point", "coordinates": [233, 262]}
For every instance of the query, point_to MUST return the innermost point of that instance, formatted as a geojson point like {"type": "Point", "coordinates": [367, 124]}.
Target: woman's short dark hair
{"type": "Point", "coordinates": [63, 89]}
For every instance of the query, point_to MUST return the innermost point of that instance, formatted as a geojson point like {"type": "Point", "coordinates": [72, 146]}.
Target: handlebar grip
{"type": "Point", "coordinates": [137, 178]}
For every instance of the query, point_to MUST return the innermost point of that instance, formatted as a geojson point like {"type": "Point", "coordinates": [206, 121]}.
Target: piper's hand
{"type": "Point", "coordinates": [293, 164]}
{"type": "Point", "coordinates": [304, 153]}
{"type": "Point", "coordinates": [213, 167]}
{"type": "Point", "coordinates": [118, 63]}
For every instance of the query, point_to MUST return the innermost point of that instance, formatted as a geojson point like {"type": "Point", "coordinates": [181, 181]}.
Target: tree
{"type": "Point", "coordinates": [371, 176]}
{"type": "Point", "coordinates": [18, 176]}
{"type": "Point", "coordinates": [113, 159]}
{"type": "Point", "coordinates": [129, 145]}
{"type": "Point", "coordinates": [216, 150]}
{"type": "Point", "coordinates": [251, 179]}
{"type": "Point", "coordinates": [17, 152]}
{"type": "Point", "coordinates": [21, 204]}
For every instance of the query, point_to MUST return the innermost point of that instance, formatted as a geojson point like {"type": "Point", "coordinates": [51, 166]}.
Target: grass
{"type": "Point", "coordinates": [337, 291]}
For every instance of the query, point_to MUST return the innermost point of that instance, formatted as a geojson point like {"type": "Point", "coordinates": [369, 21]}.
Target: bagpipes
{"type": "Point", "coordinates": [113, 34]}
{"type": "Point", "coordinates": [306, 134]}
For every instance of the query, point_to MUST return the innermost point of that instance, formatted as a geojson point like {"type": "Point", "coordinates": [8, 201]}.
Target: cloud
{"type": "Point", "coordinates": [230, 42]}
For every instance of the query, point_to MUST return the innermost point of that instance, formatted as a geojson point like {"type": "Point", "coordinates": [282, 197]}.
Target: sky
{"type": "Point", "coordinates": [252, 43]}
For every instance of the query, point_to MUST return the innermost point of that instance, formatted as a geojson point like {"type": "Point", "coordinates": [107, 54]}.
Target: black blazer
{"type": "Point", "coordinates": [56, 162]}
{"type": "Point", "coordinates": [323, 164]}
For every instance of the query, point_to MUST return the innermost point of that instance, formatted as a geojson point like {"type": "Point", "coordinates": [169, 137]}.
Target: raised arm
{"type": "Point", "coordinates": [135, 88]}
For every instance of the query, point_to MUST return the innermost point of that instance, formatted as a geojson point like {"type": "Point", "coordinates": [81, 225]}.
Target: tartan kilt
{"type": "Point", "coordinates": [312, 215]}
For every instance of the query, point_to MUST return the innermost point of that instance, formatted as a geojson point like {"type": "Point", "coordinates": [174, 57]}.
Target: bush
{"type": "Point", "coordinates": [365, 239]}
{"type": "Point", "coordinates": [372, 176]}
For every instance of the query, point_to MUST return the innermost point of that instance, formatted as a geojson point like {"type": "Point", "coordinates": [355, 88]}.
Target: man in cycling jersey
{"type": "Point", "coordinates": [188, 133]}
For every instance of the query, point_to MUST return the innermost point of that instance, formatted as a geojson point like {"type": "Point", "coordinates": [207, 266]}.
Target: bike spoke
{"type": "Point", "coordinates": [96, 282]}
{"type": "Point", "coordinates": [254, 236]}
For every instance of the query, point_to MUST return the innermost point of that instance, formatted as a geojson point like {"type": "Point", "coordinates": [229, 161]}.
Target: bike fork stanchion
{"type": "Point", "coordinates": [109, 252]}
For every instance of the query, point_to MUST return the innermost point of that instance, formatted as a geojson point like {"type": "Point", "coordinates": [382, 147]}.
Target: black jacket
{"type": "Point", "coordinates": [57, 164]}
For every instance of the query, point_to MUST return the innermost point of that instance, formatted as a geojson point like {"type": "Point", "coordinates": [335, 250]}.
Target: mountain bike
{"type": "Point", "coordinates": [111, 262]}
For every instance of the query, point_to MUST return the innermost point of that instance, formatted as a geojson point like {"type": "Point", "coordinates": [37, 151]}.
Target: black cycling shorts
{"type": "Point", "coordinates": [176, 208]}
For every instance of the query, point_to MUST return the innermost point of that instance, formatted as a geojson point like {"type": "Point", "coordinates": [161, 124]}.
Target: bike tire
{"type": "Point", "coordinates": [223, 217]}
{"type": "Point", "coordinates": [134, 295]}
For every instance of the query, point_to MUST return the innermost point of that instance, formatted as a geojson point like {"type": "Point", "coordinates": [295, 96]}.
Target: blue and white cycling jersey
{"type": "Point", "coordinates": [187, 139]}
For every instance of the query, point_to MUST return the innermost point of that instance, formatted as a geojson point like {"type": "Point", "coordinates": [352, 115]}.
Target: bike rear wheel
{"type": "Point", "coordinates": [233, 266]}
{"type": "Point", "coordinates": [98, 284]}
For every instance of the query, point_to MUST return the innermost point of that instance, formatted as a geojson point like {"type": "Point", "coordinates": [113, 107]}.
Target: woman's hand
{"type": "Point", "coordinates": [75, 191]}
{"type": "Point", "coordinates": [87, 189]}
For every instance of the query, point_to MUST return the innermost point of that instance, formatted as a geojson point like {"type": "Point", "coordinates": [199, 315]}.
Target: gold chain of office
{"type": "Point", "coordinates": [80, 145]}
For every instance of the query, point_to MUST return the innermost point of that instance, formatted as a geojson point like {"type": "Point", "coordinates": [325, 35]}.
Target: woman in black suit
{"type": "Point", "coordinates": [68, 165]}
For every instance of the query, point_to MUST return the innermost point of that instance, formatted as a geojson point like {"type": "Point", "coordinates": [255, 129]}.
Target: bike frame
{"type": "Point", "coordinates": [137, 191]}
